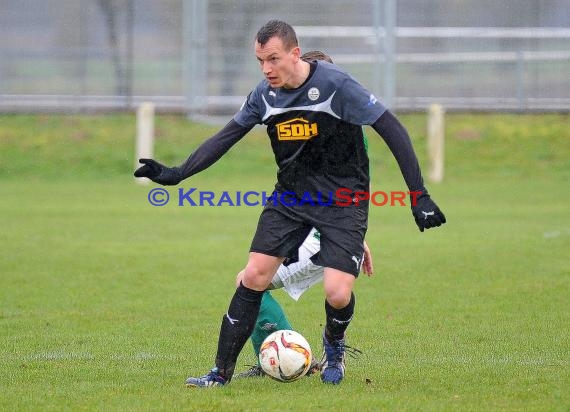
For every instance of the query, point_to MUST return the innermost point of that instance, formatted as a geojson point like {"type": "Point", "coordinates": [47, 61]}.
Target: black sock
{"type": "Point", "coordinates": [338, 319]}
{"type": "Point", "coordinates": [237, 326]}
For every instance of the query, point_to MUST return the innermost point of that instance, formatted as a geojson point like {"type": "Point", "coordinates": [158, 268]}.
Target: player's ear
{"type": "Point", "coordinates": [296, 53]}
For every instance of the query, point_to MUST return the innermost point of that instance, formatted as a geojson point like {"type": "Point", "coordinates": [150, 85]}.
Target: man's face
{"type": "Point", "coordinates": [277, 64]}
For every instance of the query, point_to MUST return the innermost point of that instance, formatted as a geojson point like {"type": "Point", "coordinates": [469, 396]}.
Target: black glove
{"type": "Point", "coordinates": [157, 172]}
{"type": "Point", "coordinates": [426, 213]}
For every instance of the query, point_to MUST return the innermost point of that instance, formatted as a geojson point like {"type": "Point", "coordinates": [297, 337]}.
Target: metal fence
{"type": "Point", "coordinates": [197, 55]}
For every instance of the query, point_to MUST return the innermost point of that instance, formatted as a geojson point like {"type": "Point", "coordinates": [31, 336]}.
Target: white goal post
{"type": "Point", "coordinates": [436, 142]}
{"type": "Point", "coordinates": [144, 146]}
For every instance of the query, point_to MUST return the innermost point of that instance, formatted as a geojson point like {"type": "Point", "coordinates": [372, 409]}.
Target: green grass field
{"type": "Point", "coordinates": [109, 303]}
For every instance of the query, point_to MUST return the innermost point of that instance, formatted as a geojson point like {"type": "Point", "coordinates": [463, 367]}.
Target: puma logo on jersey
{"type": "Point", "coordinates": [296, 129]}
{"type": "Point", "coordinates": [426, 214]}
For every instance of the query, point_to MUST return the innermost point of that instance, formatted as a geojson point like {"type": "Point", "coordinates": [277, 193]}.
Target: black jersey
{"type": "Point", "coordinates": [316, 131]}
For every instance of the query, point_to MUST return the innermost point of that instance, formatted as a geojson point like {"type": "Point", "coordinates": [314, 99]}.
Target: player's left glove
{"type": "Point", "coordinates": [426, 213]}
{"type": "Point", "coordinates": [159, 173]}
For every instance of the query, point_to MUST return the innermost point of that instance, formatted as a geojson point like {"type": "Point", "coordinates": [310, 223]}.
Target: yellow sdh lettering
{"type": "Point", "coordinates": [296, 129]}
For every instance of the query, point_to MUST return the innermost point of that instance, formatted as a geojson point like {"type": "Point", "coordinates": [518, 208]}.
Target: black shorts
{"type": "Point", "coordinates": [282, 229]}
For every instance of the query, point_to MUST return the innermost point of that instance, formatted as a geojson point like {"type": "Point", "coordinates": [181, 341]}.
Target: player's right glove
{"type": "Point", "coordinates": [157, 172]}
{"type": "Point", "coordinates": [426, 213]}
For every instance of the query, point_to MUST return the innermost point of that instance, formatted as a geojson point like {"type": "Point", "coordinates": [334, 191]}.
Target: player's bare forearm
{"type": "Point", "coordinates": [367, 263]}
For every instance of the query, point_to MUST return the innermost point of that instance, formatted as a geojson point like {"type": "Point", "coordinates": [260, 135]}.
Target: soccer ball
{"type": "Point", "coordinates": [285, 355]}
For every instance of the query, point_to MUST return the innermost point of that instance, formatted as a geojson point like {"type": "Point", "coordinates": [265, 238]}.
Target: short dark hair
{"type": "Point", "coordinates": [316, 55]}
{"type": "Point", "coordinates": [280, 29]}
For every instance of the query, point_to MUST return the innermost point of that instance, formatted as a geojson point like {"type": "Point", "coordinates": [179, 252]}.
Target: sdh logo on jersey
{"type": "Point", "coordinates": [296, 129]}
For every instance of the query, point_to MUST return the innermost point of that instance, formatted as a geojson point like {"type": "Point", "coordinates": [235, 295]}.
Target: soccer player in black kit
{"type": "Point", "coordinates": [314, 113]}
